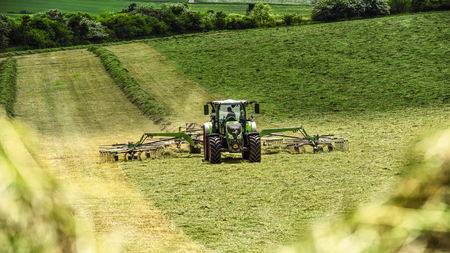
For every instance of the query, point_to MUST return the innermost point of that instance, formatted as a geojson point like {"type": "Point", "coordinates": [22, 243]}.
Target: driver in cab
{"type": "Point", "coordinates": [231, 114]}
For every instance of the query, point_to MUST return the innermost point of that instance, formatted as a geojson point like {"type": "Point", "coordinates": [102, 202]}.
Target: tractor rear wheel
{"type": "Point", "coordinates": [255, 149]}
{"type": "Point", "coordinates": [214, 149]}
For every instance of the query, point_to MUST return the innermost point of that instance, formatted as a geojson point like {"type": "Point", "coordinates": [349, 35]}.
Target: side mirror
{"type": "Point", "coordinates": [256, 108]}
{"type": "Point", "coordinates": [205, 109]}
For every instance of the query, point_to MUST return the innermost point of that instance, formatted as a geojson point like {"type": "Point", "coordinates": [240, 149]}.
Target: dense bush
{"type": "Point", "coordinates": [334, 10]}
{"type": "Point", "coordinates": [56, 29]}
{"type": "Point", "coordinates": [291, 18]}
{"type": "Point", "coordinates": [430, 5]}
{"type": "Point", "coordinates": [263, 15]}
{"type": "Point", "coordinates": [8, 74]}
{"type": "Point", "coordinates": [5, 29]}
{"type": "Point", "coordinates": [399, 6]}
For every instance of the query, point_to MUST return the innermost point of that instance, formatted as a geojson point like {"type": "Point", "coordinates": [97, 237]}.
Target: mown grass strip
{"type": "Point", "coordinates": [8, 74]}
{"type": "Point", "coordinates": [37, 51]}
{"type": "Point", "coordinates": [146, 103]}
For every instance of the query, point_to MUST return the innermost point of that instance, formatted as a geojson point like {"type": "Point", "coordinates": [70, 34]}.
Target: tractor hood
{"type": "Point", "coordinates": [234, 129]}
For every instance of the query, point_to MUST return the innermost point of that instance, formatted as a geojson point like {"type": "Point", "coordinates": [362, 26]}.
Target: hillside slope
{"type": "Point", "coordinates": [380, 64]}
{"type": "Point", "coordinates": [168, 86]}
{"type": "Point", "coordinates": [73, 106]}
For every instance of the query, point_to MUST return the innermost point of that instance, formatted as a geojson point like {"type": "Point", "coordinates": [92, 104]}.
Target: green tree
{"type": "Point", "coordinates": [5, 30]}
{"type": "Point", "coordinates": [263, 14]}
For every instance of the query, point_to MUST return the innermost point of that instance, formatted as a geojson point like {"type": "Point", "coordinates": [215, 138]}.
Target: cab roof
{"type": "Point", "coordinates": [232, 101]}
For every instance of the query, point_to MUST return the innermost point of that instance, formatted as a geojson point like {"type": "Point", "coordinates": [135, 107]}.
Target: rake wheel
{"type": "Point", "coordinates": [318, 149]}
{"type": "Point", "coordinates": [255, 149]}
{"type": "Point", "coordinates": [214, 150]}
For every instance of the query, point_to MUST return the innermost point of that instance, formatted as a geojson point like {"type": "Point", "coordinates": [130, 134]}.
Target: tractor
{"type": "Point", "coordinates": [230, 131]}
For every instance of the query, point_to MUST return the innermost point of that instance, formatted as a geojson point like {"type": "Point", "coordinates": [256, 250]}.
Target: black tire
{"type": "Point", "coordinates": [255, 149]}
{"type": "Point", "coordinates": [205, 146]}
{"type": "Point", "coordinates": [194, 150]}
{"type": "Point", "coordinates": [330, 147]}
{"type": "Point", "coordinates": [214, 149]}
{"type": "Point", "coordinates": [318, 149]}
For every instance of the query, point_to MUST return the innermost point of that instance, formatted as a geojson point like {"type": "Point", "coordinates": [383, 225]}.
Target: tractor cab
{"type": "Point", "coordinates": [231, 112]}
{"type": "Point", "coordinates": [230, 131]}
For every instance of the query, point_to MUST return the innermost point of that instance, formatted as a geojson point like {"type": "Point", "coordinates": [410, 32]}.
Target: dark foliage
{"type": "Point", "coordinates": [335, 10]}
{"type": "Point", "coordinates": [55, 29]}
{"type": "Point", "coordinates": [8, 74]}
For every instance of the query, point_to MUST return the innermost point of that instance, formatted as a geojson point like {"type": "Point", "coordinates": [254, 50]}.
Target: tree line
{"type": "Point", "coordinates": [55, 29]}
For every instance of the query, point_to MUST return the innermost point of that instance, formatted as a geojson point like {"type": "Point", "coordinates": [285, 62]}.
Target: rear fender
{"type": "Point", "coordinates": [250, 126]}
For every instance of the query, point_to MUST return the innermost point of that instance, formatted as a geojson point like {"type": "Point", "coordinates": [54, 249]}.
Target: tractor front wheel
{"type": "Point", "coordinates": [255, 149]}
{"type": "Point", "coordinates": [214, 149]}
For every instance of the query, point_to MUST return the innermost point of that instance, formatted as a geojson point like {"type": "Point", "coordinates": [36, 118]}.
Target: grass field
{"type": "Point", "coordinates": [94, 7]}
{"type": "Point", "coordinates": [70, 107]}
{"type": "Point", "coordinates": [369, 65]}
{"type": "Point", "coordinates": [381, 80]}
{"type": "Point", "coordinates": [97, 7]}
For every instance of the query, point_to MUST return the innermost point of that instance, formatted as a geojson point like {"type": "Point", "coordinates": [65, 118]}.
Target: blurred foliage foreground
{"type": "Point", "coordinates": [415, 219]}
{"type": "Point", "coordinates": [33, 217]}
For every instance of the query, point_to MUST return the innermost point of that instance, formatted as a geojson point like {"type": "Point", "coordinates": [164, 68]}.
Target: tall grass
{"type": "Point", "coordinates": [33, 215]}
{"type": "Point", "coordinates": [146, 103]}
{"type": "Point", "coordinates": [415, 219]}
{"type": "Point", "coordinates": [8, 75]}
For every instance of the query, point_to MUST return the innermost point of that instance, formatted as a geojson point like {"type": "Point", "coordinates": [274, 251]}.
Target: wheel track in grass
{"type": "Point", "coordinates": [70, 105]}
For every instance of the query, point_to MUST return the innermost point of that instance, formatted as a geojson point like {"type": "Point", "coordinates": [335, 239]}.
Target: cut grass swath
{"type": "Point", "coordinates": [129, 86]}
{"type": "Point", "coordinates": [8, 74]}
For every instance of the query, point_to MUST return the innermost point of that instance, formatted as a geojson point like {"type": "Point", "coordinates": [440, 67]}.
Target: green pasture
{"type": "Point", "coordinates": [101, 6]}
{"type": "Point", "coordinates": [384, 81]}
{"type": "Point", "coordinates": [239, 206]}
{"type": "Point", "coordinates": [93, 7]}
{"type": "Point", "coordinates": [379, 64]}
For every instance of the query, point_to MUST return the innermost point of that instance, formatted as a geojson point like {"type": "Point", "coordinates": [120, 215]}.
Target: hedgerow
{"type": "Point", "coordinates": [55, 29]}
{"type": "Point", "coordinates": [129, 86]}
{"type": "Point", "coordinates": [334, 10]}
{"type": "Point", "coordinates": [8, 74]}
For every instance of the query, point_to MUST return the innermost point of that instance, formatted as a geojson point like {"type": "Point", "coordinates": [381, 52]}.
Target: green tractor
{"type": "Point", "coordinates": [230, 131]}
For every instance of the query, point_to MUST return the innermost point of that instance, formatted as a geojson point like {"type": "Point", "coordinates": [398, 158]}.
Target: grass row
{"type": "Point", "coordinates": [129, 86]}
{"type": "Point", "coordinates": [356, 66]}
{"type": "Point", "coordinates": [8, 76]}
{"type": "Point", "coordinates": [38, 51]}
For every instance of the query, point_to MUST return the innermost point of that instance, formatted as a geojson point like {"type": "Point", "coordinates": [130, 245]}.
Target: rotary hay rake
{"type": "Point", "coordinates": [153, 147]}
{"type": "Point", "coordinates": [156, 147]}
{"type": "Point", "coordinates": [297, 144]}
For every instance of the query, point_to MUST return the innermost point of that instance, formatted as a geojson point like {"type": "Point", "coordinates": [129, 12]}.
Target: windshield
{"type": "Point", "coordinates": [231, 112]}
